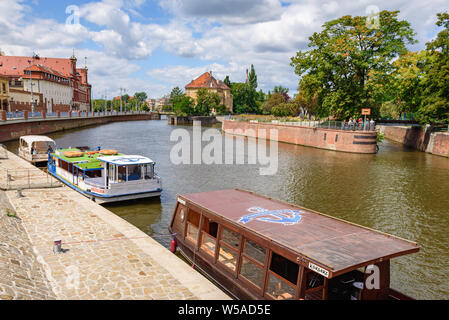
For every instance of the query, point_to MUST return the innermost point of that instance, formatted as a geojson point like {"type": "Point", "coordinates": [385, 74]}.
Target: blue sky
{"type": "Point", "coordinates": [155, 45]}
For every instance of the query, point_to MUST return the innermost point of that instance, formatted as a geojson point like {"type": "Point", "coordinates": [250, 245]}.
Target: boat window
{"type": "Point", "coordinates": [209, 236]}
{"type": "Point", "coordinates": [230, 237]}
{"type": "Point", "coordinates": [193, 222]}
{"type": "Point", "coordinates": [228, 257]}
{"type": "Point", "coordinates": [284, 268]}
{"type": "Point", "coordinates": [252, 272]}
{"type": "Point", "coordinates": [148, 171]}
{"type": "Point", "coordinates": [279, 289]}
{"type": "Point", "coordinates": [121, 173]}
{"type": "Point", "coordinates": [134, 172]}
{"type": "Point", "coordinates": [93, 173]}
{"type": "Point", "coordinates": [282, 278]}
{"type": "Point", "coordinates": [314, 280]}
{"type": "Point", "coordinates": [255, 251]}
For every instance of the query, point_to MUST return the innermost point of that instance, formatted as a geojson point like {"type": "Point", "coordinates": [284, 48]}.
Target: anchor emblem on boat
{"type": "Point", "coordinates": [286, 217]}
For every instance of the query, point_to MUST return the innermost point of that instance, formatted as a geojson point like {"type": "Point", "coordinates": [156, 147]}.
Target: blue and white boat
{"type": "Point", "coordinates": [106, 176]}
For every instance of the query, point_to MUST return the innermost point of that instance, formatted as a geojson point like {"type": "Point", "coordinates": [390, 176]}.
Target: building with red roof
{"type": "Point", "coordinates": [207, 81]}
{"type": "Point", "coordinates": [57, 84]}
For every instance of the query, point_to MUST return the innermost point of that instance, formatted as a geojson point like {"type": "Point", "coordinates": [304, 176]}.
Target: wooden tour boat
{"type": "Point", "coordinates": [105, 175]}
{"type": "Point", "coordinates": [255, 247]}
{"type": "Point", "coordinates": [35, 149]}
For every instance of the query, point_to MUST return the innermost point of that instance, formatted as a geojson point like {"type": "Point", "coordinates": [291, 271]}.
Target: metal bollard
{"type": "Point", "coordinates": [57, 246]}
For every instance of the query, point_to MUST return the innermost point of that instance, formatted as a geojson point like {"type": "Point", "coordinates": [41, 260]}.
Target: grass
{"type": "Point", "coordinates": [10, 213]}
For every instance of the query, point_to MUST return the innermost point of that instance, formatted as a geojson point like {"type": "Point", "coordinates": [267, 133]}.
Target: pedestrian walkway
{"type": "Point", "coordinates": [104, 256]}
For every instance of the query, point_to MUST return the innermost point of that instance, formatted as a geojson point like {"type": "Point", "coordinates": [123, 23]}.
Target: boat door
{"type": "Point", "coordinates": [51, 164]}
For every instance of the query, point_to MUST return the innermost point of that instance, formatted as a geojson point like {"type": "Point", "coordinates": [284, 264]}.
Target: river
{"type": "Point", "coordinates": [398, 191]}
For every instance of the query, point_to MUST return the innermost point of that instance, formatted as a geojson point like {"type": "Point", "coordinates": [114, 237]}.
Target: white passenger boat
{"type": "Point", "coordinates": [105, 175]}
{"type": "Point", "coordinates": [35, 149]}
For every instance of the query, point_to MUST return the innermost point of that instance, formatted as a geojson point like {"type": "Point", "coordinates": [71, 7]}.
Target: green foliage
{"type": "Point", "coordinates": [285, 109]}
{"type": "Point", "coordinates": [176, 95]}
{"type": "Point", "coordinates": [244, 98]}
{"type": "Point", "coordinates": [184, 106]}
{"type": "Point", "coordinates": [435, 84]}
{"type": "Point", "coordinates": [227, 81]}
{"type": "Point", "coordinates": [252, 78]}
{"type": "Point", "coordinates": [221, 109]}
{"type": "Point", "coordinates": [206, 101]}
{"type": "Point", "coordinates": [348, 62]}
{"type": "Point", "coordinates": [274, 100]}
{"type": "Point", "coordinates": [167, 108]}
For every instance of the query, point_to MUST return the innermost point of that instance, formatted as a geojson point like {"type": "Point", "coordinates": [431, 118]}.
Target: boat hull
{"type": "Point", "coordinates": [101, 199]}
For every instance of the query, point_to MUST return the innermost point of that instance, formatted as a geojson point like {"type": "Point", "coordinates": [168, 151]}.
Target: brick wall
{"type": "Point", "coordinates": [330, 139]}
{"type": "Point", "coordinates": [419, 138]}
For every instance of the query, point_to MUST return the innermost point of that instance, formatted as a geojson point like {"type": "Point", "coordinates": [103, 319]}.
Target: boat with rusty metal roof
{"type": "Point", "coordinates": [256, 247]}
{"type": "Point", "coordinates": [105, 175]}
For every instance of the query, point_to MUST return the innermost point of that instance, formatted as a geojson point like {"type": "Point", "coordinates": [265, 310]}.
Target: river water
{"type": "Point", "coordinates": [398, 191]}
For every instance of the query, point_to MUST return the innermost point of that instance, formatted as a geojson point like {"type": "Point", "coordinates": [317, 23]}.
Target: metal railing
{"type": "Point", "coordinates": [18, 179]}
{"type": "Point", "coordinates": [75, 114]}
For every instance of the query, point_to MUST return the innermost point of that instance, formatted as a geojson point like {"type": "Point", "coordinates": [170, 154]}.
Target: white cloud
{"type": "Point", "coordinates": [227, 12]}
{"type": "Point", "coordinates": [228, 35]}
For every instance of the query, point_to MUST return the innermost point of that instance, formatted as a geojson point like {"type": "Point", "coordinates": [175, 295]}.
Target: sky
{"type": "Point", "coordinates": [156, 45]}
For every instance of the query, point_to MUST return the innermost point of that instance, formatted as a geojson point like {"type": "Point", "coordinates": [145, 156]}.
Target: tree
{"type": "Point", "coordinates": [244, 98]}
{"type": "Point", "coordinates": [283, 91]}
{"type": "Point", "coordinates": [176, 95]}
{"type": "Point", "coordinates": [227, 81]}
{"type": "Point", "coordinates": [343, 59]}
{"type": "Point", "coordinates": [206, 101]}
{"type": "Point", "coordinates": [285, 109]}
{"type": "Point", "coordinates": [435, 102]}
{"type": "Point", "coordinates": [184, 106]}
{"type": "Point", "coordinates": [252, 78]}
{"type": "Point", "coordinates": [275, 100]}
{"type": "Point", "coordinates": [141, 97]}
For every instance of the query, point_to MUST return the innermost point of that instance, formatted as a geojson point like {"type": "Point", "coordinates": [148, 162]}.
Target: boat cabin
{"type": "Point", "coordinates": [35, 149]}
{"type": "Point", "coordinates": [256, 247]}
{"type": "Point", "coordinates": [106, 175]}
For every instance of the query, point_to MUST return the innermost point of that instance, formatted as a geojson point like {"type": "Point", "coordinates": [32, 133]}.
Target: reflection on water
{"type": "Point", "coordinates": [398, 191]}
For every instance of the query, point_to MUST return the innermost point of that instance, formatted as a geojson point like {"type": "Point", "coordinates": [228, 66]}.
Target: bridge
{"type": "Point", "coordinates": [14, 125]}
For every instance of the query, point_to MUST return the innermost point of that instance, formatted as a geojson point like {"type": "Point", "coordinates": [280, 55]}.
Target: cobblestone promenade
{"type": "Point", "coordinates": [104, 256]}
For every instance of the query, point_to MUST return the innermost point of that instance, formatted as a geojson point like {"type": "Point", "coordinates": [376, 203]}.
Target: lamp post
{"type": "Point", "coordinates": [31, 86]}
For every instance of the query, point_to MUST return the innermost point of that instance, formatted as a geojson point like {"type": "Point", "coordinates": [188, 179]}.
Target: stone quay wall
{"type": "Point", "coordinates": [189, 120]}
{"type": "Point", "coordinates": [14, 129]}
{"type": "Point", "coordinates": [418, 137]}
{"type": "Point", "coordinates": [329, 139]}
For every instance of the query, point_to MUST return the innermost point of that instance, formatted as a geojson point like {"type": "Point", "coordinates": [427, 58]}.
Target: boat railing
{"type": "Point", "coordinates": [18, 179]}
{"type": "Point", "coordinates": [94, 182]}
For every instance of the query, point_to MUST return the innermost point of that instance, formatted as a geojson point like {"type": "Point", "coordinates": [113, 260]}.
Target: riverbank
{"type": "Point", "coordinates": [104, 256]}
{"type": "Point", "coordinates": [329, 139]}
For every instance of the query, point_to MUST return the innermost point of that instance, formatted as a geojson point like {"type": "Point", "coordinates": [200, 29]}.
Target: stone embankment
{"type": "Point", "coordinates": [418, 137]}
{"type": "Point", "coordinates": [104, 257]}
{"type": "Point", "coordinates": [329, 139]}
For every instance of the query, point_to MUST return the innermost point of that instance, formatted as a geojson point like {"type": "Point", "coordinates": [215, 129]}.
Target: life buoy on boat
{"type": "Point", "coordinates": [73, 154]}
{"type": "Point", "coordinates": [109, 152]}
{"type": "Point", "coordinates": [90, 153]}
